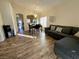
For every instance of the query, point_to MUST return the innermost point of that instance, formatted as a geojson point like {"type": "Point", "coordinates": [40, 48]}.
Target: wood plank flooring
{"type": "Point", "coordinates": [20, 47]}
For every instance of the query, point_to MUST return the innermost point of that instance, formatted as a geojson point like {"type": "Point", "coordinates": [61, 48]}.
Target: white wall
{"type": "Point", "coordinates": [7, 14]}
{"type": "Point", "coordinates": [5, 10]}
{"type": "Point", "coordinates": [2, 37]}
{"type": "Point", "coordinates": [13, 17]}
{"type": "Point", "coordinates": [51, 19]}
{"type": "Point", "coordinates": [68, 13]}
{"type": "Point", "coordinates": [50, 12]}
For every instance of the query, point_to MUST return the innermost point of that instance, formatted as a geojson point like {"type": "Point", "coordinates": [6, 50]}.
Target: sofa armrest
{"type": "Point", "coordinates": [47, 28]}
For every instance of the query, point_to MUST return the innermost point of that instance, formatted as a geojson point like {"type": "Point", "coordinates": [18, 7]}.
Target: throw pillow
{"type": "Point", "coordinates": [59, 29]}
{"type": "Point", "coordinates": [77, 34]}
{"type": "Point", "coordinates": [52, 27]}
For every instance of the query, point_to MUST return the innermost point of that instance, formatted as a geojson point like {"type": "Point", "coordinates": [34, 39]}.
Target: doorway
{"type": "Point", "coordinates": [43, 21]}
{"type": "Point", "coordinates": [20, 23]}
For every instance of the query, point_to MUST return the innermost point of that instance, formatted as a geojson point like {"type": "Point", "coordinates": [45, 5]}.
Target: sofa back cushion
{"type": "Point", "coordinates": [67, 30]}
{"type": "Point", "coordinates": [75, 30]}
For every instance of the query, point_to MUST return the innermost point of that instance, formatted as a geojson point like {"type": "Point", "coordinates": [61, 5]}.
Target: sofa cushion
{"type": "Point", "coordinates": [57, 35]}
{"type": "Point", "coordinates": [66, 30]}
{"type": "Point", "coordinates": [68, 47]}
{"type": "Point", "coordinates": [69, 42]}
{"type": "Point", "coordinates": [63, 35]}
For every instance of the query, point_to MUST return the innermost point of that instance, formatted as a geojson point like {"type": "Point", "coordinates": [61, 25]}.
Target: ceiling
{"type": "Point", "coordinates": [35, 6]}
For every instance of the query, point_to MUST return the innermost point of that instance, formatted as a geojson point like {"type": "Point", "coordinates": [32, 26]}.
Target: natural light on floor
{"type": "Point", "coordinates": [29, 36]}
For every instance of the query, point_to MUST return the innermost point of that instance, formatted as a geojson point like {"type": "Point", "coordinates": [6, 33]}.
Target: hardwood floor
{"type": "Point", "coordinates": [20, 47]}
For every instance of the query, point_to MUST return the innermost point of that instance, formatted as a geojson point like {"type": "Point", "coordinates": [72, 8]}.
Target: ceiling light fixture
{"type": "Point", "coordinates": [35, 15]}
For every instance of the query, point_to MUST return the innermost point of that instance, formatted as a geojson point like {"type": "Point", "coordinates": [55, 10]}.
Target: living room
{"type": "Point", "coordinates": [59, 19]}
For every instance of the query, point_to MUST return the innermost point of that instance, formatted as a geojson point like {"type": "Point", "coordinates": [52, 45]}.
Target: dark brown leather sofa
{"type": "Point", "coordinates": [66, 45]}
{"type": "Point", "coordinates": [66, 31]}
